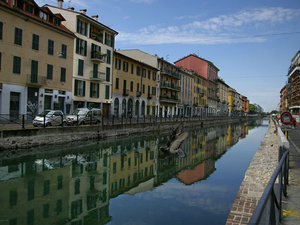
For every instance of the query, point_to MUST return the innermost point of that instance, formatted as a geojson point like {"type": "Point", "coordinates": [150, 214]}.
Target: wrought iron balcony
{"type": "Point", "coordinates": [98, 56]}
{"type": "Point", "coordinates": [98, 76]}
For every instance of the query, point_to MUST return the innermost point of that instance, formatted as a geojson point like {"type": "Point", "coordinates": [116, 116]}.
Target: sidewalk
{"type": "Point", "coordinates": [291, 204]}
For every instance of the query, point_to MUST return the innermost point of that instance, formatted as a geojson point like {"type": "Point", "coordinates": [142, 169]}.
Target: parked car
{"type": "Point", "coordinates": [84, 116]}
{"type": "Point", "coordinates": [49, 118]}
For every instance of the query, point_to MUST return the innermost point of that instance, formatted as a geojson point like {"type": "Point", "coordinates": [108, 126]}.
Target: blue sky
{"type": "Point", "coordinates": [252, 42]}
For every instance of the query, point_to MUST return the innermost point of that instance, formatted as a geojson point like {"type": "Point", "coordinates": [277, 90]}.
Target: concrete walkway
{"type": "Point", "coordinates": [291, 204]}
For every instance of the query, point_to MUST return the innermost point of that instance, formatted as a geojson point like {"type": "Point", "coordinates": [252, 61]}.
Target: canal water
{"type": "Point", "coordinates": [130, 181]}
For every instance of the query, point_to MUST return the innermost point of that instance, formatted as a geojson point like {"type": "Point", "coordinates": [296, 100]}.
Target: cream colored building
{"type": "Point", "coordinates": [92, 61]}
{"type": "Point", "coordinates": [222, 94]}
{"type": "Point", "coordinates": [186, 93]}
{"type": "Point", "coordinates": [200, 106]}
{"type": "Point", "coordinates": [134, 87]}
{"type": "Point", "coordinates": [36, 53]}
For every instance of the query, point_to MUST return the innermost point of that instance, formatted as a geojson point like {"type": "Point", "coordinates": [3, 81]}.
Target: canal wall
{"type": "Point", "coordinates": [35, 137]}
{"type": "Point", "coordinates": [257, 177]}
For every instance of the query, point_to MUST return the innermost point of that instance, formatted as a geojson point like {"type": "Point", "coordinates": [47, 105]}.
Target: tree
{"type": "Point", "coordinates": [252, 109]}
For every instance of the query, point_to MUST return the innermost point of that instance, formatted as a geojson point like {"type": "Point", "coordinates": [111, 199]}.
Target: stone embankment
{"type": "Point", "coordinates": [256, 178]}
{"type": "Point", "coordinates": [34, 137]}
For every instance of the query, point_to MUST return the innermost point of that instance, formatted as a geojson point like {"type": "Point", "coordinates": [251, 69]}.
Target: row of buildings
{"type": "Point", "coordinates": [78, 188]}
{"type": "Point", "coordinates": [290, 93]}
{"type": "Point", "coordinates": [56, 58]}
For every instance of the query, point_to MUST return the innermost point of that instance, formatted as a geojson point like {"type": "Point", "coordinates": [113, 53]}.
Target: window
{"type": "Point", "coordinates": [153, 91]}
{"type": "Point", "coordinates": [80, 67]}
{"type": "Point", "coordinates": [64, 51]}
{"type": "Point", "coordinates": [81, 46]}
{"type": "Point", "coordinates": [132, 68]}
{"type": "Point", "coordinates": [30, 190]}
{"type": "Point", "coordinates": [108, 57]}
{"type": "Point", "coordinates": [35, 42]}
{"type": "Point", "coordinates": [77, 187]}
{"type": "Point", "coordinates": [49, 71]}
{"type": "Point", "coordinates": [125, 66]}
{"type": "Point", "coordinates": [56, 21]}
{"type": "Point", "coordinates": [59, 182]}
{"type": "Point", "coordinates": [34, 71]}
{"type": "Point", "coordinates": [13, 198]}
{"type": "Point", "coordinates": [28, 8]}
{"type": "Point", "coordinates": [107, 74]}
{"type": "Point", "coordinates": [94, 90]}
{"type": "Point", "coordinates": [18, 36]}
{"type": "Point", "coordinates": [137, 87]}
{"type": "Point", "coordinates": [138, 70]}
{"type": "Point", "coordinates": [118, 64]}
{"type": "Point", "coordinates": [50, 47]}
{"type": "Point", "coordinates": [63, 74]}
{"type": "Point", "coordinates": [17, 65]}
{"type": "Point", "coordinates": [30, 217]}
{"type": "Point", "coordinates": [131, 86]}
{"type": "Point", "coordinates": [143, 89]}
{"type": "Point", "coordinates": [107, 92]}
{"type": "Point", "coordinates": [109, 40]}
{"type": "Point", "coordinates": [58, 206]}
{"type": "Point", "coordinates": [144, 72]}
{"type": "Point", "coordinates": [0, 60]}
{"type": "Point", "coordinates": [46, 187]}
{"type": "Point", "coordinates": [149, 74]}
{"type": "Point", "coordinates": [81, 27]}
{"type": "Point", "coordinates": [153, 76]}
{"type": "Point", "coordinates": [43, 15]}
{"type": "Point", "coordinates": [117, 83]}
{"type": "Point", "coordinates": [79, 88]}
{"type": "Point", "coordinates": [46, 208]}
{"type": "Point", "coordinates": [1, 30]}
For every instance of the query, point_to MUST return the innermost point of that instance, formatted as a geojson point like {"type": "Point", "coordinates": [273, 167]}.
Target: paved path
{"type": "Point", "coordinates": [291, 204]}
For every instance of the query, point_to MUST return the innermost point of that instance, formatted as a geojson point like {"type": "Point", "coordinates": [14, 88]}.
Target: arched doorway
{"type": "Point", "coordinates": [124, 107]}
{"type": "Point", "coordinates": [137, 108]}
{"type": "Point", "coordinates": [143, 108]}
{"type": "Point", "coordinates": [116, 107]}
{"type": "Point", "coordinates": [130, 108]}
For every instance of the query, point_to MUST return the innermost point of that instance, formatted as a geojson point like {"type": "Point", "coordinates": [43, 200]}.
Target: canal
{"type": "Point", "coordinates": [128, 181]}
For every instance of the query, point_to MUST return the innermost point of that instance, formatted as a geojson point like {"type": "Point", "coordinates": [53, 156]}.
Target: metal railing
{"type": "Point", "coordinates": [269, 208]}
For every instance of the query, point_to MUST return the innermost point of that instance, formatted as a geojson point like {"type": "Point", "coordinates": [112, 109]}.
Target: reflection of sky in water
{"type": "Point", "coordinates": [204, 202]}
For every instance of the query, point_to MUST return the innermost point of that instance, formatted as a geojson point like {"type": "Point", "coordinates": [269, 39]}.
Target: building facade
{"type": "Point", "coordinates": [35, 59]}
{"type": "Point", "coordinates": [293, 90]}
{"type": "Point", "coordinates": [283, 99]}
{"type": "Point", "coordinates": [200, 106]}
{"type": "Point", "coordinates": [92, 61]}
{"type": "Point", "coordinates": [222, 94]}
{"type": "Point", "coordinates": [134, 87]}
{"type": "Point", "coordinates": [185, 104]}
{"type": "Point", "coordinates": [207, 70]}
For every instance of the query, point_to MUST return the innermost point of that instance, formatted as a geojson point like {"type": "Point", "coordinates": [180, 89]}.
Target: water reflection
{"type": "Point", "coordinates": [76, 188]}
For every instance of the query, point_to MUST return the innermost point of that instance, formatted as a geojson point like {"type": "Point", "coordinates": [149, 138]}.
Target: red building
{"type": "Point", "coordinates": [207, 70]}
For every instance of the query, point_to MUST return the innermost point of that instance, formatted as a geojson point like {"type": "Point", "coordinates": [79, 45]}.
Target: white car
{"type": "Point", "coordinates": [84, 116]}
{"type": "Point", "coordinates": [49, 118]}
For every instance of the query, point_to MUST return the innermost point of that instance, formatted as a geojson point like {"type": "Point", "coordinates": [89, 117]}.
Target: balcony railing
{"type": "Point", "coordinates": [168, 86]}
{"type": "Point", "coordinates": [98, 56]}
{"type": "Point", "coordinates": [98, 76]}
{"type": "Point", "coordinates": [170, 99]}
{"type": "Point", "coordinates": [168, 72]}
{"type": "Point", "coordinates": [36, 80]}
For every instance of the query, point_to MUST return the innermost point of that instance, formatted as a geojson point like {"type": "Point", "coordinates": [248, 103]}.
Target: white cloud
{"type": "Point", "coordinates": [235, 28]}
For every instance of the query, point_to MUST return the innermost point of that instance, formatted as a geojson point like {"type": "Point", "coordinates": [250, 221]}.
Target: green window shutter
{"type": "Point", "coordinates": [108, 58]}
{"type": "Point", "coordinates": [63, 74]}
{"type": "Point", "coordinates": [77, 45]}
{"type": "Point", "coordinates": [1, 30]}
{"type": "Point", "coordinates": [49, 71]}
{"type": "Point", "coordinates": [107, 74]}
{"type": "Point", "coordinates": [50, 47]}
{"type": "Point", "coordinates": [97, 86]}
{"type": "Point", "coordinates": [34, 71]}
{"type": "Point", "coordinates": [91, 89]}
{"type": "Point", "coordinates": [17, 65]}
{"type": "Point", "coordinates": [107, 92]}
{"type": "Point", "coordinates": [95, 70]}
{"type": "Point", "coordinates": [83, 88]}
{"type": "Point", "coordinates": [76, 88]}
{"type": "Point", "coordinates": [64, 51]}
{"type": "Point", "coordinates": [80, 67]}
{"type": "Point", "coordinates": [85, 47]}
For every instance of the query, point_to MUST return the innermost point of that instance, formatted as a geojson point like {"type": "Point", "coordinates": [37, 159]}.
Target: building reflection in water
{"type": "Point", "coordinates": [76, 188]}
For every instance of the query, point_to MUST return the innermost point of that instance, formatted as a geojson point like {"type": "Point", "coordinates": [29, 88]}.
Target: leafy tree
{"type": "Point", "coordinates": [252, 109]}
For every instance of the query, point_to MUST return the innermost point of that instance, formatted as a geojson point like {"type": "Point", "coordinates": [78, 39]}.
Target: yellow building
{"type": "Point", "coordinates": [92, 61]}
{"type": "Point", "coordinates": [222, 94]}
{"type": "Point", "coordinates": [36, 53]}
{"type": "Point", "coordinates": [134, 87]}
{"type": "Point", "coordinates": [199, 95]}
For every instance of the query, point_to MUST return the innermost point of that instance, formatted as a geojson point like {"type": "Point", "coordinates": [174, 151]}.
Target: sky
{"type": "Point", "coordinates": [251, 42]}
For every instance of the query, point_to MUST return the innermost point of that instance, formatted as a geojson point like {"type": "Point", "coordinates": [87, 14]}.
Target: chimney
{"type": "Point", "coordinates": [83, 11]}
{"type": "Point", "coordinates": [95, 17]}
{"type": "Point", "coordinates": [71, 8]}
{"type": "Point", "coordinates": [60, 3]}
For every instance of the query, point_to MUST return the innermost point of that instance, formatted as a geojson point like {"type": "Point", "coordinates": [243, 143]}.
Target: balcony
{"type": "Point", "coordinates": [98, 76]}
{"type": "Point", "coordinates": [167, 71]}
{"type": "Point", "coordinates": [166, 98]}
{"type": "Point", "coordinates": [36, 80]}
{"type": "Point", "coordinates": [98, 57]}
{"type": "Point", "coordinates": [125, 92]}
{"type": "Point", "coordinates": [171, 87]}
